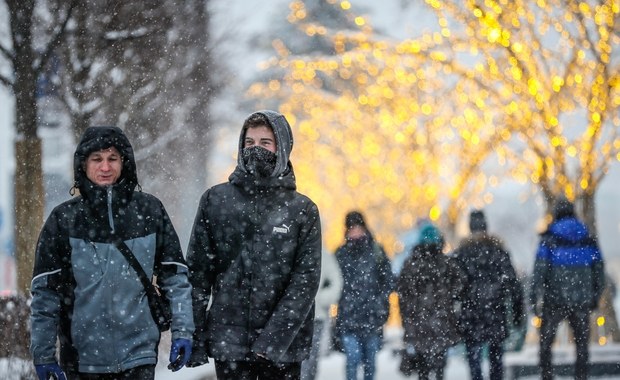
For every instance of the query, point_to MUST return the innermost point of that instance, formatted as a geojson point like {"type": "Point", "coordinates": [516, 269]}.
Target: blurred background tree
{"type": "Point", "coordinates": [145, 67]}
{"type": "Point", "coordinates": [525, 90]}
{"type": "Point", "coordinates": [425, 127]}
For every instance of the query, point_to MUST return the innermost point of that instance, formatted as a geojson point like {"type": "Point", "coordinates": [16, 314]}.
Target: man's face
{"type": "Point", "coordinates": [104, 167]}
{"type": "Point", "coordinates": [356, 232]}
{"type": "Point", "coordinates": [260, 136]}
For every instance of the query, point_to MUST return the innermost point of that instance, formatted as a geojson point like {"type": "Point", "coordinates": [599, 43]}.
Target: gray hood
{"type": "Point", "coordinates": [284, 142]}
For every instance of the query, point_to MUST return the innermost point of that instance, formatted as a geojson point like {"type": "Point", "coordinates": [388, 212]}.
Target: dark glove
{"type": "Point", "coordinates": [53, 370]}
{"type": "Point", "coordinates": [180, 352]}
{"type": "Point", "coordinates": [199, 355]}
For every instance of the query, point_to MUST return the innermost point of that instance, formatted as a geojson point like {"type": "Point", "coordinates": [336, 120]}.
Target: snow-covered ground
{"type": "Point", "coordinates": [332, 364]}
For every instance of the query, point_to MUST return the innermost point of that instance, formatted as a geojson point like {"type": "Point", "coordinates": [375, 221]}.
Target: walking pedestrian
{"type": "Point", "coordinates": [255, 261]}
{"type": "Point", "coordinates": [567, 282]}
{"type": "Point", "coordinates": [86, 293]}
{"type": "Point", "coordinates": [493, 294]}
{"type": "Point", "coordinates": [429, 289]}
{"type": "Point", "coordinates": [364, 307]}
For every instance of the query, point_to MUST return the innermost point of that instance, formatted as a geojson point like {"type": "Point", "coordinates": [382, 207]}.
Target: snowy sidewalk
{"type": "Point", "coordinates": [332, 365]}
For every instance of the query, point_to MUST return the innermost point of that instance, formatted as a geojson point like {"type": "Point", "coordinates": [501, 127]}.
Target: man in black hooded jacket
{"type": "Point", "coordinates": [255, 256]}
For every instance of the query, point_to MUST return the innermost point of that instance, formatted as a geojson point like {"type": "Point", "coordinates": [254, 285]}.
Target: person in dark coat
{"type": "Point", "coordinates": [493, 295]}
{"type": "Point", "coordinates": [364, 307]}
{"type": "Point", "coordinates": [429, 289]}
{"type": "Point", "coordinates": [85, 292]}
{"type": "Point", "coordinates": [255, 258]}
{"type": "Point", "coordinates": [567, 282]}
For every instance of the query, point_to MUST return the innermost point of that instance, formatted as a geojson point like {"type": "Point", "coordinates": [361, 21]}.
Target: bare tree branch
{"type": "Point", "coordinates": [56, 40]}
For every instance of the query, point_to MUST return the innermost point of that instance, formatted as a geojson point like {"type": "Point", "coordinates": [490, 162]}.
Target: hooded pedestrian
{"type": "Point", "coordinates": [429, 289]}
{"type": "Point", "coordinates": [568, 279]}
{"type": "Point", "coordinates": [255, 261]}
{"type": "Point", "coordinates": [84, 290]}
{"type": "Point", "coordinates": [364, 307]}
{"type": "Point", "coordinates": [493, 295]}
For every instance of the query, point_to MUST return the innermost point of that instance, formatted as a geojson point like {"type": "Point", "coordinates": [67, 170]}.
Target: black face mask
{"type": "Point", "coordinates": [259, 161]}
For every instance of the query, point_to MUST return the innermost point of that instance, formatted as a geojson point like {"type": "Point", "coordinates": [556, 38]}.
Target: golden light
{"type": "Point", "coordinates": [536, 321]}
{"type": "Point", "coordinates": [376, 113]}
{"type": "Point", "coordinates": [600, 321]}
{"type": "Point", "coordinates": [434, 213]}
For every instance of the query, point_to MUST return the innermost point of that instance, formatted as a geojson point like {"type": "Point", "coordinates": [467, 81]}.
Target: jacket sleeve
{"type": "Point", "coordinates": [202, 276]}
{"type": "Point", "coordinates": [298, 299]}
{"type": "Point", "coordinates": [385, 274]}
{"type": "Point", "coordinates": [598, 274]}
{"type": "Point", "coordinates": [514, 289]}
{"type": "Point", "coordinates": [404, 288]}
{"type": "Point", "coordinates": [173, 278]}
{"type": "Point", "coordinates": [45, 307]}
{"type": "Point", "coordinates": [541, 268]}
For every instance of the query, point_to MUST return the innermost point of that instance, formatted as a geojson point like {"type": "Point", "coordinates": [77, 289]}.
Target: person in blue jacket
{"type": "Point", "coordinates": [85, 294]}
{"type": "Point", "coordinates": [567, 283]}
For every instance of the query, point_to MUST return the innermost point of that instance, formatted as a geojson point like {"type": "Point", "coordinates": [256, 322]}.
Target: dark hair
{"type": "Point", "coordinates": [563, 208]}
{"type": "Point", "coordinates": [477, 221]}
{"type": "Point", "coordinates": [256, 120]}
{"type": "Point", "coordinates": [354, 218]}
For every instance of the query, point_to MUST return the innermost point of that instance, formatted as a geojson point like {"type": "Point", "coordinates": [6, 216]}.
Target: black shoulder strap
{"type": "Point", "coordinates": [146, 282]}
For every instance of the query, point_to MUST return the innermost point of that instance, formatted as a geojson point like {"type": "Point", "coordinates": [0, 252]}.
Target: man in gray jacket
{"type": "Point", "coordinates": [84, 291]}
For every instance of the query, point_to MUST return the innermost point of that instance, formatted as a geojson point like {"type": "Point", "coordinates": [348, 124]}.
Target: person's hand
{"type": "Point", "coordinates": [44, 371]}
{"type": "Point", "coordinates": [199, 355]}
{"type": "Point", "coordinates": [180, 352]}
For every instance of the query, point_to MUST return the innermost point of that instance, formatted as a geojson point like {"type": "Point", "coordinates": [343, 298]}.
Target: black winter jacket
{"type": "Point", "coordinates": [429, 289]}
{"type": "Point", "coordinates": [492, 287]}
{"type": "Point", "coordinates": [367, 283]}
{"type": "Point", "coordinates": [255, 254]}
{"type": "Point", "coordinates": [84, 290]}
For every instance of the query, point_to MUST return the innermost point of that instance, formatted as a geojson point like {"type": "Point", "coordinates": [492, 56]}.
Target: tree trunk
{"type": "Point", "coordinates": [29, 196]}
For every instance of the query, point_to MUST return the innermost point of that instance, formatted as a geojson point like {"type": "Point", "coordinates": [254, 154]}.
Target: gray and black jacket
{"type": "Point", "coordinates": [255, 255]}
{"type": "Point", "coordinates": [84, 290]}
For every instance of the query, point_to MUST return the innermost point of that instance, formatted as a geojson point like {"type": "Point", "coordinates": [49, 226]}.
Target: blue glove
{"type": "Point", "coordinates": [180, 352]}
{"type": "Point", "coordinates": [45, 371]}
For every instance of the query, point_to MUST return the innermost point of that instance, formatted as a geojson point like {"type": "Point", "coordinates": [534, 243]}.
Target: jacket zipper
{"type": "Point", "coordinates": [111, 223]}
{"type": "Point", "coordinates": [110, 214]}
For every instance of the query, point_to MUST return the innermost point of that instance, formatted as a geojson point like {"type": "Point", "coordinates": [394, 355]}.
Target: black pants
{"type": "Point", "coordinates": [432, 364]}
{"type": "Point", "coordinates": [250, 370]}
{"type": "Point", "coordinates": [474, 359]}
{"type": "Point", "coordinates": [579, 321]}
{"type": "Point", "coordinates": [145, 372]}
